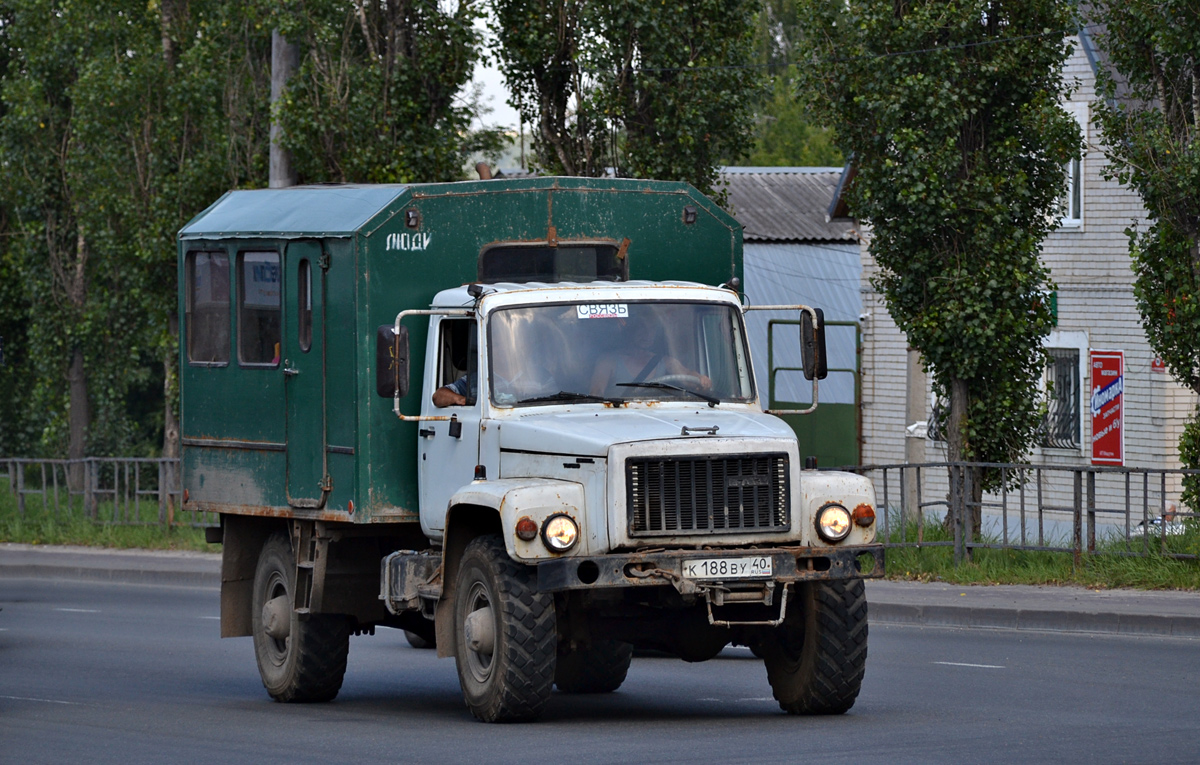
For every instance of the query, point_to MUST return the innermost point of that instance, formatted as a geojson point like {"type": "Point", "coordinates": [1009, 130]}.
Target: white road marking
{"type": "Point", "coordinates": [44, 701]}
{"type": "Point", "coordinates": [79, 610]}
{"type": "Point", "coordinates": [208, 617]}
{"type": "Point", "coordinates": [977, 666]}
{"type": "Point", "coordinates": [760, 698]}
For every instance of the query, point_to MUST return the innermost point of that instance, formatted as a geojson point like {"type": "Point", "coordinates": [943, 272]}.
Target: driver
{"type": "Point", "coordinates": [519, 371]}
{"type": "Point", "coordinates": [638, 361]}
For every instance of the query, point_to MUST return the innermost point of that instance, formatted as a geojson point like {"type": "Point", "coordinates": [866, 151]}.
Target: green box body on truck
{"type": "Point", "coordinates": [602, 477]}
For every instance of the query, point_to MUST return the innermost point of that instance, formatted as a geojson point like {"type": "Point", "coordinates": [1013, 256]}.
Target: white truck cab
{"type": "Point", "coordinates": [609, 443]}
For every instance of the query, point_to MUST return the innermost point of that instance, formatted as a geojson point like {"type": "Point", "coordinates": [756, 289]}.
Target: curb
{"type": "Point", "coordinates": [208, 579]}
{"type": "Point", "coordinates": [1035, 619]}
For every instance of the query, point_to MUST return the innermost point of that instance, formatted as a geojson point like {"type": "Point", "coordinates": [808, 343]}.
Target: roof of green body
{"type": "Point", "coordinates": [343, 210]}
{"type": "Point", "coordinates": [296, 211]}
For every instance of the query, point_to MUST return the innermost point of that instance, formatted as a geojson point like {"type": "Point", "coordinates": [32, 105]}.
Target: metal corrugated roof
{"type": "Point", "coordinates": [295, 211]}
{"type": "Point", "coordinates": [786, 204]}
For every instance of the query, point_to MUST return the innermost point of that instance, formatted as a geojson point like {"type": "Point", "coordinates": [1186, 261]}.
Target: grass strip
{"type": "Point", "coordinates": [1114, 564]}
{"type": "Point", "coordinates": [70, 524]}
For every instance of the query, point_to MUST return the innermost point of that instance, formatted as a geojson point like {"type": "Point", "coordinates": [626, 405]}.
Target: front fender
{"type": "Point", "coordinates": [537, 499]}
{"type": "Point", "coordinates": [847, 489]}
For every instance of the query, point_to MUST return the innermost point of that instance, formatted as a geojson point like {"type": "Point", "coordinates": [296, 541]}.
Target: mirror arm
{"type": "Point", "coordinates": [396, 328]}
{"type": "Point", "coordinates": [812, 312]}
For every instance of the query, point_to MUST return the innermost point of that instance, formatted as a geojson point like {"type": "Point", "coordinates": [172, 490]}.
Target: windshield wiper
{"type": "Point", "coordinates": [712, 402]}
{"type": "Point", "coordinates": [566, 395]}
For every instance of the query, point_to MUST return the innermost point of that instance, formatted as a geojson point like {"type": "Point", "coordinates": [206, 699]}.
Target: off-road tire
{"type": "Point", "coordinates": [309, 664]}
{"type": "Point", "coordinates": [816, 659]}
{"type": "Point", "coordinates": [514, 682]}
{"type": "Point", "coordinates": [600, 667]}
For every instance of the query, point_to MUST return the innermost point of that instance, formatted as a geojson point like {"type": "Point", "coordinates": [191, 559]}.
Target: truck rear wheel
{"type": "Point", "coordinates": [816, 659]}
{"type": "Point", "coordinates": [505, 637]}
{"type": "Point", "coordinates": [601, 667]}
{"type": "Point", "coordinates": [299, 660]}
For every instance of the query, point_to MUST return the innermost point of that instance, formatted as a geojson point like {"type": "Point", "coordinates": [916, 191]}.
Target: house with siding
{"type": "Point", "coordinates": [1088, 258]}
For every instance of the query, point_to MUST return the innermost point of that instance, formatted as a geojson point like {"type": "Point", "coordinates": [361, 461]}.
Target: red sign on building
{"type": "Point", "coordinates": [1108, 400]}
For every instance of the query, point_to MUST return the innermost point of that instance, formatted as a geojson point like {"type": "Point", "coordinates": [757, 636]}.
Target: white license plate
{"type": "Point", "coordinates": [728, 568]}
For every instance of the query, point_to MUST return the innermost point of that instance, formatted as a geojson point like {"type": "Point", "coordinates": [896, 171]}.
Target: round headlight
{"type": "Point", "coordinates": [833, 522]}
{"type": "Point", "coordinates": [560, 533]}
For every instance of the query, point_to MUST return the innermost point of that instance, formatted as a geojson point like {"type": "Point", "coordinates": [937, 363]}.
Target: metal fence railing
{"type": "Point", "coordinates": [113, 490]}
{"type": "Point", "coordinates": [1075, 509]}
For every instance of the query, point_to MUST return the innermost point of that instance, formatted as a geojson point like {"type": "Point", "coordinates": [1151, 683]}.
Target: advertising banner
{"type": "Point", "coordinates": [1108, 401]}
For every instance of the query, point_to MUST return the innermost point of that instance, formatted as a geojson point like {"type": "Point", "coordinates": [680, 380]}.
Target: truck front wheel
{"type": "Point", "coordinates": [816, 659]}
{"type": "Point", "coordinates": [505, 635]}
{"type": "Point", "coordinates": [298, 660]}
{"type": "Point", "coordinates": [600, 667]}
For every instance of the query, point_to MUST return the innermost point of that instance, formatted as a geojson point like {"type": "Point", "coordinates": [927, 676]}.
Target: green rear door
{"type": "Point", "coordinates": [304, 374]}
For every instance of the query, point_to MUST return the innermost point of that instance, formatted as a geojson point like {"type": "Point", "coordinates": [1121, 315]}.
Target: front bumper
{"type": "Point", "coordinates": [789, 564]}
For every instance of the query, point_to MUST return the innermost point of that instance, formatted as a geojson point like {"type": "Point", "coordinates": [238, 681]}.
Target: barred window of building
{"type": "Point", "coordinates": [1064, 398]}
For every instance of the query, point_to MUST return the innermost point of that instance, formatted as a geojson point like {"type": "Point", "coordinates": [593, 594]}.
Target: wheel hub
{"type": "Point", "coordinates": [479, 630]}
{"type": "Point", "coordinates": [277, 617]}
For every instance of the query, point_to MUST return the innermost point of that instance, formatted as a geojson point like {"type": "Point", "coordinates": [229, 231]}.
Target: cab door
{"type": "Point", "coordinates": [449, 449]}
{"type": "Point", "coordinates": [304, 374]}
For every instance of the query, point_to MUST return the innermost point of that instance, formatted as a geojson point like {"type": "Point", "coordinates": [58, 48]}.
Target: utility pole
{"type": "Point", "coordinates": [285, 59]}
{"type": "Point", "coordinates": [914, 434]}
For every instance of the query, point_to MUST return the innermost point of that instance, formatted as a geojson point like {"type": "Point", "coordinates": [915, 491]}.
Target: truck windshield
{"type": "Point", "coordinates": [594, 352]}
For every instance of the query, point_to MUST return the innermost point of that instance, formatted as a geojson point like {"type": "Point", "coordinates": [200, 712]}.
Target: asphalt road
{"type": "Point", "coordinates": [94, 672]}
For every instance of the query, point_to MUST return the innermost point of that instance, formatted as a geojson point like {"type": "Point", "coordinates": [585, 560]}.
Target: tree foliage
{"type": "Point", "coordinates": [652, 90]}
{"type": "Point", "coordinates": [377, 98]}
{"type": "Point", "coordinates": [783, 131]}
{"type": "Point", "coordinates": [1150, 118]}
{"type": "Point", "coordinates": [950, 111]}
{"type": "Point", "coordinates": [120, 120]}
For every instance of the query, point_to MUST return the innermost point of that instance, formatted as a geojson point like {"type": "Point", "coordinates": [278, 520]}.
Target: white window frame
{"type": "Point", "coordinates": [1074, 340]}
{"type": "Point", "coordinates": [1073, 211]}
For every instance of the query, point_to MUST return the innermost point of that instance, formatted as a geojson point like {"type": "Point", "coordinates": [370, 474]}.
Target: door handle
{"type": "Point", "coordinates": [427, 432]}
{"type": "Point", "coordinates": [289, 372]}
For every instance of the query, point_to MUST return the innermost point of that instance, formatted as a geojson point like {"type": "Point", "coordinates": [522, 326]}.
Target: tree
{"type": "Point", "coordinates": [120, 121]}
{"type": "Point", "coordinates": [649, 89]}
{"type": "Point", "coordinates": [1150, 118]}
{"type": "Point", "coordinates": [951, 114]}
{"type": "Point", "coordinates": [540, 50]}
{"type": "Point", "coordinates": [377, 96]}
{"type": "Point", "coordinates": [783, 132]}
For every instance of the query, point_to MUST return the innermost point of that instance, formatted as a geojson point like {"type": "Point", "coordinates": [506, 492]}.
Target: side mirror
{"type": "Point", "coordinates": [812, 345]}
{"type": "Point", "coordinates": [391, 361]}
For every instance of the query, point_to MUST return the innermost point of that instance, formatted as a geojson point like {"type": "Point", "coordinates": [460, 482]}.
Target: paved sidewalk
{"type": "Point", "coordinates": [1068, 609]}
{"type": "Point", "coordinates": [179, 568]}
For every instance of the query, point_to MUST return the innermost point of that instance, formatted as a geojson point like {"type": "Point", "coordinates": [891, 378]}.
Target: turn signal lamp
{"type": "Point", "coordinates": [527, 529]}
{"type": "Point", "coordinates": [560, 533]}
{"type": "Point", "coordinates": [833, 522]}
{"type": "Point", "coordinates": [864, 515]}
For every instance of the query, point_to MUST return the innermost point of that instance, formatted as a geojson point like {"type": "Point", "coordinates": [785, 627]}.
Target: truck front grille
{"type": "Point", "coordinates": [708, 494]}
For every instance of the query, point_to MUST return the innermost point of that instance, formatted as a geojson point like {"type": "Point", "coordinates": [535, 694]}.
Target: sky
{"type": "Point", "coordinates": [495, 96]}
